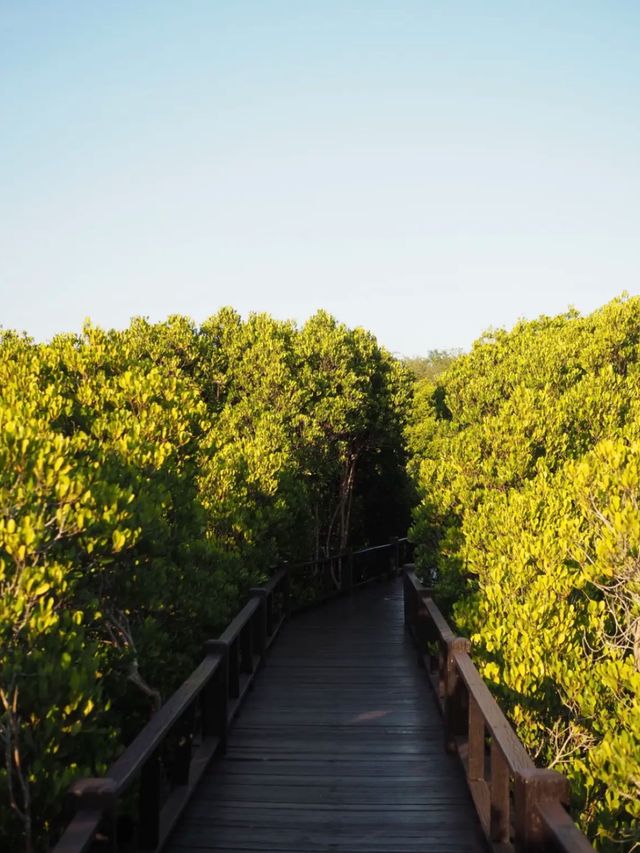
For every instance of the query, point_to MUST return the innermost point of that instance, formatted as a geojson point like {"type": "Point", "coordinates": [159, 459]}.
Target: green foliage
{"type": "Point", "coordinates": [527, 458]}
{"type": "Point", "coordinates": [148, 478]}
{"type": "Point", "coordinates": [433, 365]}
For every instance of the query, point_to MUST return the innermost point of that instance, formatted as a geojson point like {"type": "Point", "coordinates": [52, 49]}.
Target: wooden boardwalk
{"type": "Point", "coordinates": [339, 747]}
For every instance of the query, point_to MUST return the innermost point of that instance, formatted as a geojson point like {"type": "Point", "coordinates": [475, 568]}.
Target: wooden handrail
{"type": "Point", "coordinates": [235, 628]}
{"type": "Point", "coordinates": [566, 835]}
{"type": "Point", "coordinates": [495, 721]}
{"type": "Point", "coordinates": [378, 547]}
{"type": "Point", "coordinates": [521, 808]}
{"type": "Point", "coordinates": [150, 738]}
{"type": "Point", "coordinates": [445, 633]}
{"type": "Point", "coordinates": [196, 717]}
{"type": "Point", "coordinates": [81, 832]}
{"type": "Point", "coordinates": [277, 579]}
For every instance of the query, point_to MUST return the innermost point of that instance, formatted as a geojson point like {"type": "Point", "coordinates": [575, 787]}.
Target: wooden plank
{"type": "Point", "coordinates": [292, 843]}
{"type": "Point", "coordinates": [339, 746]}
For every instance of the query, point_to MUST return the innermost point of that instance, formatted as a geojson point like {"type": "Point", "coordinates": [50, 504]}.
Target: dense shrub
{"type": "Point", "coordinates": [526, 453]}
{"type": "Point", "coordinates": [148, 477]}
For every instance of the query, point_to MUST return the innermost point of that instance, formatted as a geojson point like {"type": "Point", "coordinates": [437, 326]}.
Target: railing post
{"type": "Point", "coordinates": [454, 716]}
{"type": "Point", "coordinates": [260, 620]}
{"type": "Point", "coordinates": [534, 787]}
{"type": "Point", "coordinates": [215, 711]}
{"type": "Point", "coordinates": [100, 794]}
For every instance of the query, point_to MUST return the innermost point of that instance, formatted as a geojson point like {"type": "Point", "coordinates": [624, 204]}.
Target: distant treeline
{"type": "Point", "coordinates": [432, 365]}
{"type": "Point", "coordinates": [148, 478]}
{"type": "Point", "coordinates": [526, 454]}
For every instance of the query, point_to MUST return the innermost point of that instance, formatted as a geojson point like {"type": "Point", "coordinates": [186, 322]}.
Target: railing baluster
{"type": "Point", "coordinates": [182, 761]}
{"type": "Point", "coordinates": [246, 649]}
{"type": "Point", "coordinates": [149, 803]}
{"type": "Point", "coordinates": [499, 818]}
{"type": "Point", "coordinates": [476, 741]}
{"type": "Point", "coordinates": [216, 694]}
{"type": "Point", "coordinates": [234, 670]}
{"type": "Point", "coordinates": [259, 622]}
{"type": "Point", "coordinates": [423, 628]}
{"type": "Point", "coordinates": [454, 717]}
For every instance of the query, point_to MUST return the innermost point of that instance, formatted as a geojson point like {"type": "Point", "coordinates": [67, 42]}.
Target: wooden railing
{"type": "Point", "coordinates": [521, 807]}
{"type": "Point", "coordinates": [155, 776]}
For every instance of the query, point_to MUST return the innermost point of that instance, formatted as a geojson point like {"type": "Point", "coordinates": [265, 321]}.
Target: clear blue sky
{"type": "Point", "coordinates": [423, 169]}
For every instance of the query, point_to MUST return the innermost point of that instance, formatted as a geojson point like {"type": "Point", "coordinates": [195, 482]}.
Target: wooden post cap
{"type": "Point", "coordinates": [258, 592]}
{"type": "Point", "coordinates": [216, 647]}
{"type": "Point", "coordinates": [94, 792]}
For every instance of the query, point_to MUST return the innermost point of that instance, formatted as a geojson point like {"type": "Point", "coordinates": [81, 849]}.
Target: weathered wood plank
{"type": "Point", "coordinates": [338, 747]}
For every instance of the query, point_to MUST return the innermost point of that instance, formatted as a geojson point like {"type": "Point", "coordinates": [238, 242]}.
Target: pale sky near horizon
{"type": "Point", "coordinates": [423, 169]}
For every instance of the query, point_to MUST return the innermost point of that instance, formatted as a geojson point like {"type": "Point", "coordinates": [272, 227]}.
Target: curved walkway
{"type": "Point", "coordinates": [339, 747]}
